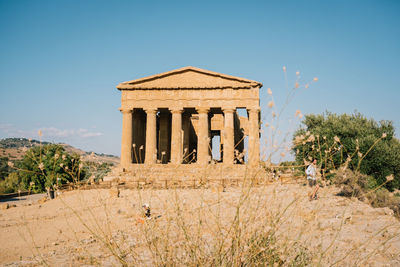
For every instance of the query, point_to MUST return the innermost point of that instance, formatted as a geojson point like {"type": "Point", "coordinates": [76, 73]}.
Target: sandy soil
{"type": "Point", "coordinates": [23, 200]}
{"type": "Point", "coordinates": [68, 231]}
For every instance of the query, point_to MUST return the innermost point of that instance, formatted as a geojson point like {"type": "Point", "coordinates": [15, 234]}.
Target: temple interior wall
{"type": "Point", "coordinates": [139, 135]}
{"type": "Point", "coordinates": [189, 137]}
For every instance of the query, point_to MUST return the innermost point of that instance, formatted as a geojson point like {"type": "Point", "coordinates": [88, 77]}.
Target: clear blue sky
{"type": "Point", "coordinates": [61, 60]}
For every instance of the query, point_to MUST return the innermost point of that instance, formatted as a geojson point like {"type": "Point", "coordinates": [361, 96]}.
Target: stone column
{"type": "Point", "coordinates": [151, 136]}
{"type": "Point", "coordinates": [229, 136]}
{"type": "Point", "coordinates": [176, 136]}
{"type": "Point", "coordinates": [126, 142]}
{"type": "Point", "coordinates": [202, 136]}
{"type": "Point", "coordinates": [254, 136]}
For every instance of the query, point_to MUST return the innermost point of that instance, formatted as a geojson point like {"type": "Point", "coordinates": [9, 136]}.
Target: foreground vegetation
{"type": "Point", "coordinates": [364, 188]}
{"type": "Point", "coordinates": [45, 166]}
{"type": "Point", "coordinates": [244, 225]}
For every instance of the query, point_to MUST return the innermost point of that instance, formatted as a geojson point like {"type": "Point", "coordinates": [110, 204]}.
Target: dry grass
{"type": "Point", "coordinates": [355, 184]}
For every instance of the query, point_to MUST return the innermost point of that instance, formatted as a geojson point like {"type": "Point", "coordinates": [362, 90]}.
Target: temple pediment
{"type": "Point", "coordinates": [189, 78]}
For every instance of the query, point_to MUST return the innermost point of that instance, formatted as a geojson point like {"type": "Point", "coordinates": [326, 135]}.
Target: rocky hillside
{"type": "Point", "coordinates": [15, 148]}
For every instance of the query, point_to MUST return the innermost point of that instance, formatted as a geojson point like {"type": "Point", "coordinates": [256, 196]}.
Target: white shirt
{"type": "Point", "coordinates": [311, 172]}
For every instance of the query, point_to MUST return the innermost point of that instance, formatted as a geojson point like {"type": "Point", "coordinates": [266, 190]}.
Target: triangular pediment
{"type": "Point", "coordinates": [189, 78]}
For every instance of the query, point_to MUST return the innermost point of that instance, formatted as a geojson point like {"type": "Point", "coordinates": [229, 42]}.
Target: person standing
{"type": "Point", "coordinates": [311, 172]}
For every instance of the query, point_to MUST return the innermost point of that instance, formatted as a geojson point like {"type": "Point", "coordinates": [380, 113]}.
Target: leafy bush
{"type": "Point", "coordinates": [360, 143]}
{"type": "Point", "coordinates": [4, 168]}
{"type": "Point", "coordinates": [11, 184]}
{"type": "Point", "coordinates": [48, 165]}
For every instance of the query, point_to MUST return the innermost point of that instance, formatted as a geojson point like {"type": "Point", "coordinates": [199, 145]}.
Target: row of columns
{"type": "Point", "coordinates": [202, 141]}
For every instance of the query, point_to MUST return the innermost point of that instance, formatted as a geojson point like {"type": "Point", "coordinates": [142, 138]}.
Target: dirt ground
{"type": "Point", "coordinates": [23, 200]}
{"type": "Point", "coordinates": [68, 230]}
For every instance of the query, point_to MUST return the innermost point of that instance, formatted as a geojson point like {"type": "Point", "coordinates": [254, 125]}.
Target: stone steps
{"type": "Point", "coordinates": [185, 172]}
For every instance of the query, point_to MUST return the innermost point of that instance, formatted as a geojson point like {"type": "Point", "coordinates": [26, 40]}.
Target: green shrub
{"type": "Point", "coordinates": [4, 168]}
{"type": "Point", "coordinates": [361, 143]}
{"type": "Point", "coordinates": [48, 165]}
{"type": "Point", "coordinates": [11, 184]}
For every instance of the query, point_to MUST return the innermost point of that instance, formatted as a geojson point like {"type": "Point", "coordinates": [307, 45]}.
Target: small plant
{"type": "Point", "coordinates": [365, 188]}
{"type": "Point", "coordinates": [95, 171]}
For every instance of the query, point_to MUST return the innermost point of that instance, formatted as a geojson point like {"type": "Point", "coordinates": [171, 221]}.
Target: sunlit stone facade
{"type": "Point", "coordinates": [171, 118]}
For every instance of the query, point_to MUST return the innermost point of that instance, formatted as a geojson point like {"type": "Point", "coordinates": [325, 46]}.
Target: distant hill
{"type": "Point", "coordinates": [19, 143]}
{"type": "Point", "coordinates": [14, 149]}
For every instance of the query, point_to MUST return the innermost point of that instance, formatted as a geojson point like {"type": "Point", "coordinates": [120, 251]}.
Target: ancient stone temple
{"type": "Point", "coordinates": [172, 117]}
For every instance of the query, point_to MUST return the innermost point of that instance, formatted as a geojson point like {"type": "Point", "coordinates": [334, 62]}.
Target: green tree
{"type": "Point", "coordinates": [48, 165]}
{"type": "Point", "coordinates": [362, 144]}
{"type": "Point", "coordinates": [4, 168]}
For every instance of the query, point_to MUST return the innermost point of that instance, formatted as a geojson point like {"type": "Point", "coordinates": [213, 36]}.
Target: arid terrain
{"type": "Point", "coordinates": [96, 227]}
